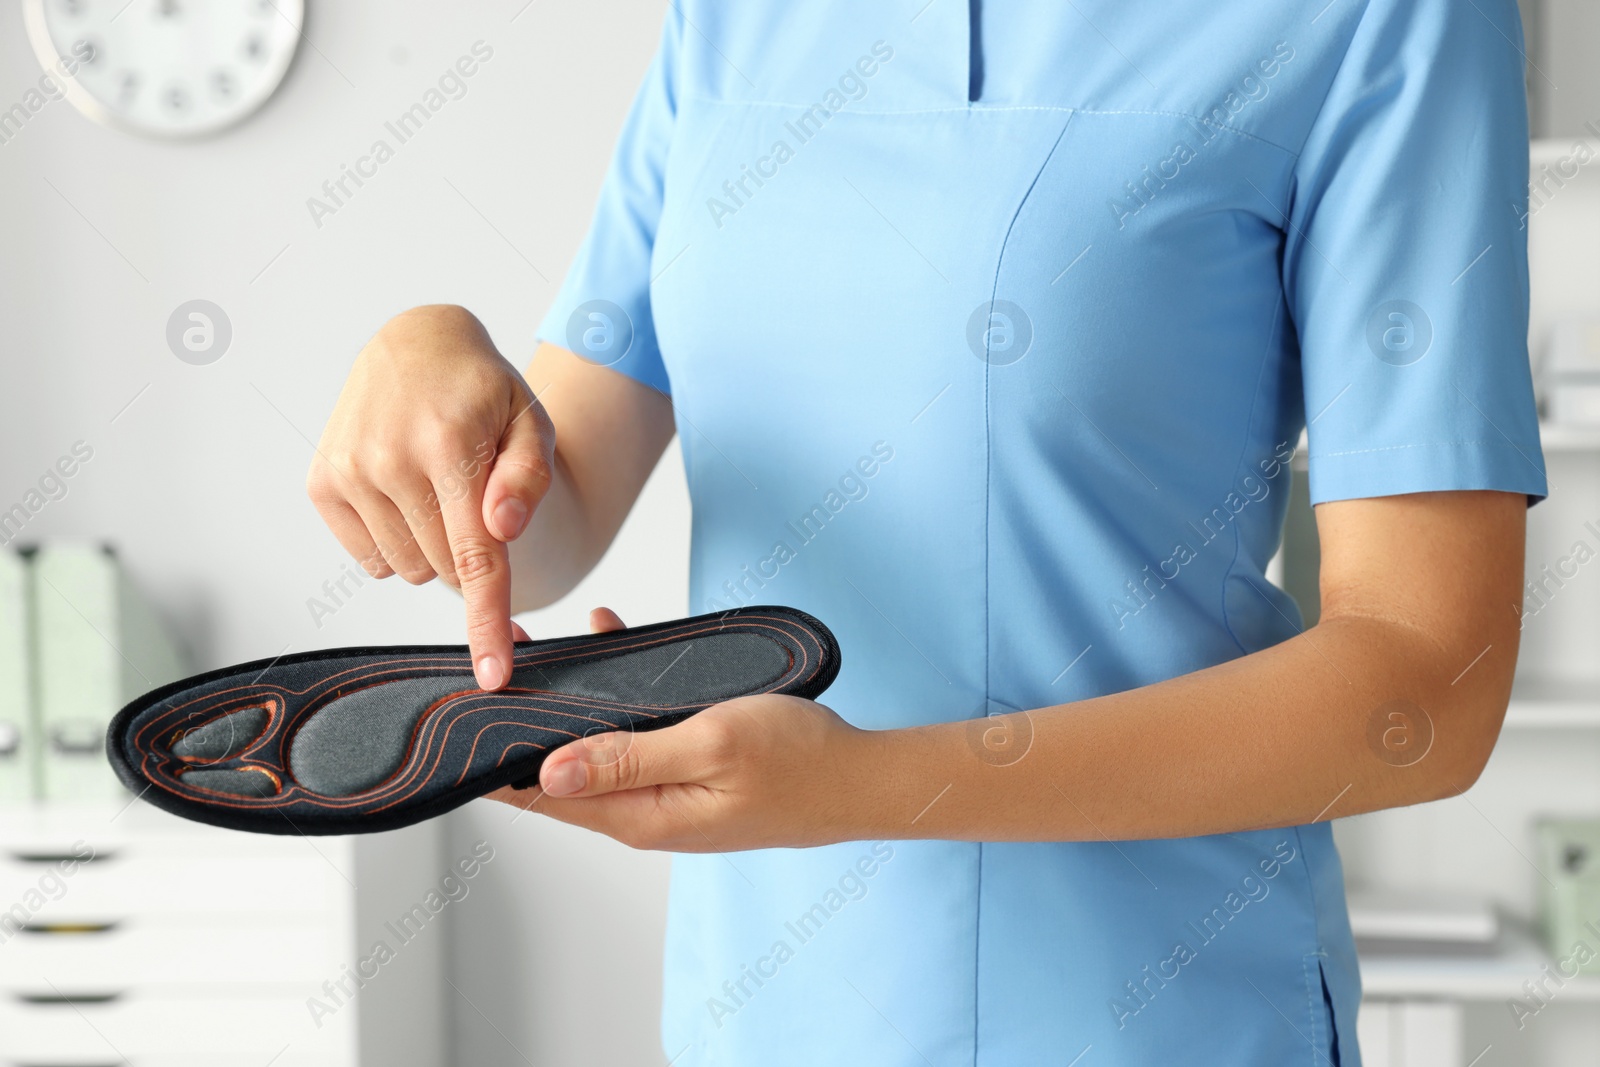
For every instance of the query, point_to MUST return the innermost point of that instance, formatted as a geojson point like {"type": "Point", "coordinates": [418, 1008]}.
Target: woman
{"type": "Point", "coordinates": [987, 330]}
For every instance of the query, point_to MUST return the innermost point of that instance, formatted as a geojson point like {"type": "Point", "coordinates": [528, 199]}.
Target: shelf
{"type": "Point", "coordinates": [1494, 973]}
{"type": "Point", "coordinates": [1541, 703]}
{"type": "Point", "coordinates": [1569, 437]}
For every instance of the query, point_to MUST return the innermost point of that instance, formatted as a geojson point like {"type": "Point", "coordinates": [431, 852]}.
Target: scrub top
{"type": "Point", "coordinates": [989, 328]}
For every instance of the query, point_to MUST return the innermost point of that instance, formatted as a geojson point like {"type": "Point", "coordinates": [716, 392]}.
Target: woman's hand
{"type": "Point", "coordinates": [435, 457]}
{"type": "Point", "coordinates": [754, 772]}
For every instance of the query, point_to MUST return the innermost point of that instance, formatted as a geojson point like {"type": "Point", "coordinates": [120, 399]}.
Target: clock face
{"type": "Point", "coordinates": [170, 68]}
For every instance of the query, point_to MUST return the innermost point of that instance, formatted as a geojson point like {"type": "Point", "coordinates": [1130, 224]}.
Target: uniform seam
{"type": "Point", "coordinates": [988, 467]}
{"type": "Point", "coordinates": [1244, 450]}
{"type": "Point", "coordinates": [1311, 892]}
{"type": "Point", "coordinates": [1201, 119]}
{"type": "Point", "coordinates": [977, 970]}
{"type": "Point", "coordinates": [1293, 180]}
{"type": "Point", "coordinates": [1322, 105]}
{"type": "Point", "coordinates": [1318, 950]}
{"type": "Point", "coordinates": [1400, 448]}
{"type": "Point", "coordinates": [847, 110]}
{"type": "Point", "coordinates": [976, 105]}
{"type": "Point", "coordinates": [979, 106]}
{"type": "Point", "coordinates": [1311, 1010]}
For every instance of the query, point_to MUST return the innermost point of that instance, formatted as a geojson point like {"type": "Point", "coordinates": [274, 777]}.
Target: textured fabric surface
{"type": "Point", "coordinates": [222, 737]}
{"type": "Point", "coordinates": [251, 782]}
{"type": "Point", "coordinates": [699, 671]}
{"type": "Point", "coordinates": [360, 740]}
{"type": "Point", "coordinates": [354, 742]}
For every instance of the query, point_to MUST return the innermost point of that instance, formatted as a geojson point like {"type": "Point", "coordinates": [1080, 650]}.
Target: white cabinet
{"type": "Point", "coordinates": [1410, 1034]}
{"type": "Point", "coordinates": [135, 937]}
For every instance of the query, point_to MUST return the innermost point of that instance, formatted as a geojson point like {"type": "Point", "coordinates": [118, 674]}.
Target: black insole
{"type": "Point", "coordinates": [356, 740]}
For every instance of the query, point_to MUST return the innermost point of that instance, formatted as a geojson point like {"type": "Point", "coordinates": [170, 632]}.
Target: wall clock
{"type": "Point", "coordinates": [166, 68]}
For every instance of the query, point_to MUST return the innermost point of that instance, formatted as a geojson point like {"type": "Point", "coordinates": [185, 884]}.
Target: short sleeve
{"type": "Point", "coordinates": [1405, 259]}
{"type": "Point", "coordinates": [603, 309]}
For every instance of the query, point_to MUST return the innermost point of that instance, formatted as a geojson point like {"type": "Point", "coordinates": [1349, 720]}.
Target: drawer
{"type": "Point", "coordinates": [142, 953]}
{"type": "Point", "coordinates": [141, 881]}
{"type": "Point", "coordinates": [111, 829]}
{"type": "Point", "coordinates": [152, 1031]}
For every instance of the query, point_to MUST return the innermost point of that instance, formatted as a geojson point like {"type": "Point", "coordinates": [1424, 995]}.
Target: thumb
{"type": "Point", "coordinates": [617, 760]}
{"type": "Point", "coordinates": [522, 468]}
{"type": "Point", "coordinates": [604, 621]}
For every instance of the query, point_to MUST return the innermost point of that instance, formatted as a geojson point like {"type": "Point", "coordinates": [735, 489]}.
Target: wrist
{"type": "Point", "coordinates": [900, 778]}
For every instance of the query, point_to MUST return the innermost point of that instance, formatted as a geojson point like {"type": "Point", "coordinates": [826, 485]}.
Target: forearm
{"type": "Point", "coordinates": [1418, 593]}
{"type": "Point", "coordinates": [559, 547]}
{"type": "Point", "coordinates": [610, 431]}
{"type": "Point", "coordinates": [1281, 737]}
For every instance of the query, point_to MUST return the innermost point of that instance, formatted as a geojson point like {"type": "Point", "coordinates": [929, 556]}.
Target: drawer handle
{"type": "Point", "coordinates": [72, 1000]}
{"type": "Point", "coordinates": [67, 929]}
{"type": "Point", "coordinates": [79, 737]}
{"type": "Point", "coordinates": [52, 856]}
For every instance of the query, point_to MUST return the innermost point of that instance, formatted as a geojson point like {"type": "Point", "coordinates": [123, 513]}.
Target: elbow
{"type": "Point", "coordinates": [1465, 734]}
{"type": "Point", "coordinates": [1458, 772]}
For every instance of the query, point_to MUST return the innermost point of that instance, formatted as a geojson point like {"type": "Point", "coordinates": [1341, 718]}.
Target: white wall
{"type": "Point", "coordinates": [1565, 85]}
{"type": "Point", "coordinates": [199, 480]}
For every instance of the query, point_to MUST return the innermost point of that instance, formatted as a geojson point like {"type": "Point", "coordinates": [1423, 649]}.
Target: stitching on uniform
{"type": "Point", "coordinates": [1316, 910]}
{"type": "Point", "coordinates": [1311, 1010]}
{"type": "Point", "coordinates": [998, 108]}
{"type": "Point", "coordinates": [1197, 118]}
{"type": "Point", "coordinates": [1244, 449]}
{"type": "Point", "coordinates": [977, 963]}
{"type": "Point", "coordinates": [988, 463]}
{"type": "Point", "coordinates": [723, 102]}
{"type": "Point", "coordinates": [1322, 105]}
{"type": "Point", "coordinates": [1398, 448]}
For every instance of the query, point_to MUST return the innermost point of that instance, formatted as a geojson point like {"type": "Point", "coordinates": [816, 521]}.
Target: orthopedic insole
{"type": "Point", "coordinates": [356, 740]}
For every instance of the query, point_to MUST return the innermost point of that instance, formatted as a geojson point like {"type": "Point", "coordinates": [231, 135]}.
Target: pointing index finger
{"type": "Point", "coordinates": [483, 570]}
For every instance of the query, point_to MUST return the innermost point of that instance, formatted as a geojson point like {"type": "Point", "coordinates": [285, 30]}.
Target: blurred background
{"type": "Point", "coordinates": [179, 315]}
{"type": "Point", "coordinates": [197, 479]}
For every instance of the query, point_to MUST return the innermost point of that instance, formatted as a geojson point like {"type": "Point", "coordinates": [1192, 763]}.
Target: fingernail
{"type": "Point", "coordinates": [490, 673]}
{"type": "Point", "coordinates": [564, 779]}
{"type": "Point", "coordinates": [510, 516]}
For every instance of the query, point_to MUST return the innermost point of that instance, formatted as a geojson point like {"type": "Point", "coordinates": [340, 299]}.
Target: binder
{"type": "Point", "coordinates": [1569, 856]}
{"type": "Point", "coordinates": [18, 752]}
{"type": "Point", "coordinates": [98, 645]}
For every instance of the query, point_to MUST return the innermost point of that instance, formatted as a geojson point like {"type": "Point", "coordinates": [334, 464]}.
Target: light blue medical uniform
{"type": "Point", "coordinates": [989, 327]}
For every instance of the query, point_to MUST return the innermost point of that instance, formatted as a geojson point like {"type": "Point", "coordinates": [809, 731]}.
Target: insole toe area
{"type": "Point", "coordinates": [236, 781]}
{"type": "Point", "coordinates": [223, 736]}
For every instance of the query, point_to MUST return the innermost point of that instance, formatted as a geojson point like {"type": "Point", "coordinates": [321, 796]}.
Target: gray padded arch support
{"type": "Point", "coordinates": [357, 741]}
